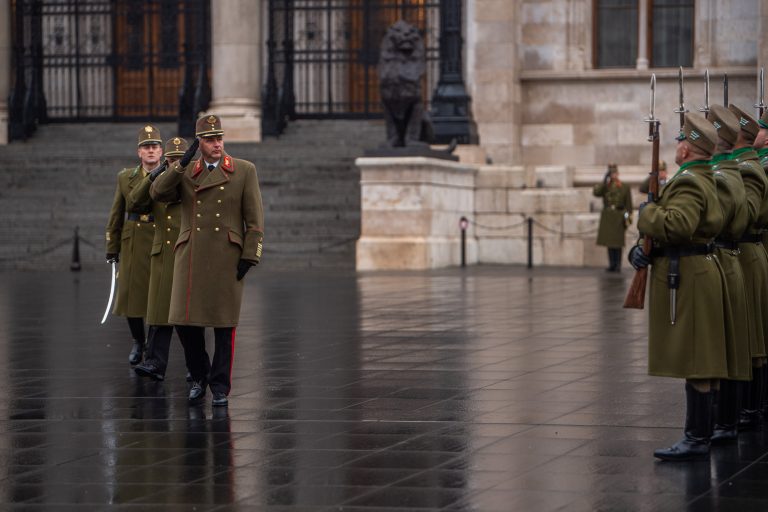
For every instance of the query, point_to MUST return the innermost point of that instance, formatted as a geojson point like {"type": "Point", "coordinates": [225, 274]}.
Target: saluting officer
{"type": "Point", "coordinates": [738, 331]}
{"type": "Point", "coordinates": [222, 227]}
{"type": "Point", "coordinates": [167, 225]}
{"type": "Point", "coordinates": [754, 261]}
{"type": "Point", "coordinates": [615, 217]}
{"type": "Point", "coordinates": [129, 239]}
{"type": "Point", "coordinates": [689, 341]}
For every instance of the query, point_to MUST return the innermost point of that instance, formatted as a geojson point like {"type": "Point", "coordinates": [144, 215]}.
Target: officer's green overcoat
{"type": "Point", "coordinates": [167, 223]}
{"type": "Point", "coordinates": [687, 213]}
{"type": "Point", "coordinates": [738, 333]}
{"type": "Point", "coordinates": [617, 200]}
{"type": "Point", "coordinates": [222, 222]}
{"type": "Point", "coordinates": [754, 261]}
{"type": "Point", "coordinates": [132, 239]}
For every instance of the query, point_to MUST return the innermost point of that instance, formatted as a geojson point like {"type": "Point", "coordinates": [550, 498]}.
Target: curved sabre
{"type": "Point", "coordinates": [111, 293]}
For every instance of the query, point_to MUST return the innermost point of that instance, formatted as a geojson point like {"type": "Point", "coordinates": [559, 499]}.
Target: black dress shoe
{"type": "Point", "coordinates": [136, 352]}
{"type": "Point", "coordinates": [197, 392]}
{"type": "Point", "coordinates": [219, 399]}
{"type": "Point", "coordinates": [149, 369]}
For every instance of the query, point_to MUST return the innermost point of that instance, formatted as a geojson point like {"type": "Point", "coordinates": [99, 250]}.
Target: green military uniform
{"type": "Point", "coordinates": [686, 219]}
{"type": "Point", "coordinates": [617, 208]}
{"type": "Point", "coordinates": [131, 237]}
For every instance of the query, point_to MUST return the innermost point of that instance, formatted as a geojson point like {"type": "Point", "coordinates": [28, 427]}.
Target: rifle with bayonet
{"type": "Point", "coordinates": [705, 109]}
{"type": "Point", "coordinates": [636, 293]}
{"type": "Point", "coordinates": [760, 105]}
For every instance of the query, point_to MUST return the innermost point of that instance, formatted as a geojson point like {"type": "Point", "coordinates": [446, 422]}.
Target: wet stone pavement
{"type": "Point", "coordinates": [489, 389]}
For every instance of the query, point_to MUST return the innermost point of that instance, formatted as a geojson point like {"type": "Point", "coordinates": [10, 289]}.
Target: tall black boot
{"type": "Point", "coordinates": [727, 414]}
{"type": "Point", "coordinates": [698, 429]}
{"type": "Point", "coordinates": [749, 419]}
{"type": "Point", "coordinates": [136, 325]}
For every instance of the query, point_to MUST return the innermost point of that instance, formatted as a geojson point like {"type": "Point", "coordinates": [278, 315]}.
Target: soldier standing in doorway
{"type": "Point", "coordinates": [615, 217]}
{"type": "Point", "coordinates": [222, 228]}
{"type": "Point", "coordinates": [167, 225]}
{"type": "Point", "coordinates": [686, 324]}
{"type": "Point", "coordinates": [130, 231]}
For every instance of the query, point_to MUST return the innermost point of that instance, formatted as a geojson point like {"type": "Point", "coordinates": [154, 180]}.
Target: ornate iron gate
{"type": "Point", "coordinates": [95, 60]}
{"type": "Point", "coordinates": [322, 56]}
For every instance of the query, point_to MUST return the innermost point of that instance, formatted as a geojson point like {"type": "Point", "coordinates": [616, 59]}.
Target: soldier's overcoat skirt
{"type": "Point", "coordinates": [754, 261]}
{"type": "Point", "coordinates": [687, 213]}
{"type": "Point", "coordinates": [167, 225]}
{"type": "Point", "coordinates": [222, 222]}
{"type": "Point", "coordinates": [617, 199]}
{"type": "Point", "coordinates": [132, 239]}
{"type": "Point", "coordinates": [738, 333]}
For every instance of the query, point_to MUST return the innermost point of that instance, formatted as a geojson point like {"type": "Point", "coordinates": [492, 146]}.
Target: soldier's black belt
{"type": "Point", "coordinates": [751, 238]}
{"type": "Point", "coordinates": [682, 251]}
{"type": "Point", "coordinates": [612, 207]}
{"type": "Point", "coordinates": [731, 245]}
{"type": "Point", "coordinates": [141, 217]}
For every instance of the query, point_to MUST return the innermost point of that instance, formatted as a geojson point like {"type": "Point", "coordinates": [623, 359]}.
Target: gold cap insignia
{"type": "Point", "coordinates": [211, 121]}
{"type": "Point", "coordinates": [177, 141]}
{"type": "Point", "coordinates": [148, 129]}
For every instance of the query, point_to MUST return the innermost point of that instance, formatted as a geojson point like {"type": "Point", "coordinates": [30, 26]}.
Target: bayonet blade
{"type": "Point", "coordinates": [725, 90]}
{"type": "Point", "coordinates": [111, 292]}
{"type": "Point", "coordinates": [681, 110]}
{"type": "Point", "coordinates": [760, 105]}
{"type": "Point", "coordinates": [651, 119]}
{"type": "Point", "coordinates": [705, 108]}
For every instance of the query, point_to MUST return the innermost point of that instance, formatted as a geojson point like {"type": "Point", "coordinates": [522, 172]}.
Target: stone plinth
{"type": "Point", "coordinates": [410, 211]}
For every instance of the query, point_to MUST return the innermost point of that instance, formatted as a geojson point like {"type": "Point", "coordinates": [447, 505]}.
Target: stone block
{"type": "Point", "coordinates": [411, 253]}
{"type": "Point", "coordinates": [548, 201]}
{"type": "Point", "coordinates": [508, 251]}
{"type": "Point", "coordinates": [500, 176]}
{"type": "Point", "coordinates": [547, 225]}
{"type": "Point", "coordinates": [547, 135]}
{"type": "Point", "coordinates": [471, 154]}
{"type": "Point", "coordinates": [553, 176]}
{"type": "Point", "coordinates": [493, 225]}
{"type": "Point", "coordinates": [563, 251]}
{"type": "Point", "coordinates": [491, 200]}
{"type": "Point", "coordinates": [581, 225]}
{"type": "Point", "coordinates": [378, 223]}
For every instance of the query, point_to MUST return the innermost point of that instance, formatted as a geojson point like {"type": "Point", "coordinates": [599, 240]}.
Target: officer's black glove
{"type": "Point", "coordinates": [113, 257]}
{"type": "Point", "coordinates": [637, 258]}
{"type": "Point", "coordinates": [640, 208]}
{"type": "Point", "coordinates": [190, 153]}
{"type": "Point", "coordinates": [157, 171]}
{"type": "Point", "coordinates": [243, 267]}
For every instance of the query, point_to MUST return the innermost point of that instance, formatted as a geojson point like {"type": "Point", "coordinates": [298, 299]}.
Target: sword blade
{"type": "Point", "coordinates": [673, 305]}
{"type": "Point", "coordinates": [111, 293]}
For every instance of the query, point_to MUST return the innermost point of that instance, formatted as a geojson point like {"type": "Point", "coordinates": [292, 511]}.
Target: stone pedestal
{"type": "Point", "coordinates": [5, 67]}
{"type": "Point", "coordinates": [411, 208]}
{"type": "Point", "coordinates": [237, 68]}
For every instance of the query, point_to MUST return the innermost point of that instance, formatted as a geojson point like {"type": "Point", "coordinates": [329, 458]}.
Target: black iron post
{"type": "Point", "coordinates": [19, 91]}
{"type": "Point", "coordinates": [463, 224]}
{"type": "Point", "coordinates": [288, 98]}
{"type": "Point", "coordinates": [450, 102]}
{"type": "Point", "coordinates": [269, 121]}
{"type": "Point", "coordinates": [530, 242]}
{"type": "Point", "coordinates": [75, 265]}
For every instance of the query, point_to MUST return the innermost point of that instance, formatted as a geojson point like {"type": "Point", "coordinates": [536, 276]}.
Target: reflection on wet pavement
{"type": "Point", "coordinates": [489, 389]}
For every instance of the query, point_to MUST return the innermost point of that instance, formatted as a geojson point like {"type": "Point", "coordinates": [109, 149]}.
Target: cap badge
{"type": "Point", "coordinates": [177, 141]}
{"type": "Point", "coordinates": [743, 122]}
{"type": "Point", "coordinates": [694, 135]}
{"type": "Point", "coordinates": [716, 125]}
{"type": "Point", "coordinates": [148, 129]}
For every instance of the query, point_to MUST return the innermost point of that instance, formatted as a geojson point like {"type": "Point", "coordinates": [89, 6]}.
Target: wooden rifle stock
{"type": "Point", "coordinates": [635, 298]}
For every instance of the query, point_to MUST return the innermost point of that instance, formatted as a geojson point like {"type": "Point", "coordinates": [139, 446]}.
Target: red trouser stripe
{"type": "Point", "coordinates": [232, 355]}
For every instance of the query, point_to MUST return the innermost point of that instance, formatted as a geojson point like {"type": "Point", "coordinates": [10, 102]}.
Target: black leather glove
{"type": "Point", "coordinates": [113, 257]}
{"type": "Point", "coordinates": [640, 208]}
{"type": "Point", "coordinates": [190, 153]}
{"type": "Point", "coordinates": [637, 258]}
{"type": "Point", "coordinates": [157, 171]}
{"type": "Point", "coordinates": [243, 267]}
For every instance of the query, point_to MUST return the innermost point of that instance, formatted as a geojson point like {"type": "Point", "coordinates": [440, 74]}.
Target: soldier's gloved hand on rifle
{"type": "Point", "coordinates": [243, 266]}
{"type": "Point", "coordinates": [637, 258]}
{"type": "Point", "coordinates": [157, 171]}
{"type": "Point", "coordinates": [189, 154]}
{"type": "Point", "coordinates": [640, 208]}
{"type": "Point", "coordinates": [113, 257]}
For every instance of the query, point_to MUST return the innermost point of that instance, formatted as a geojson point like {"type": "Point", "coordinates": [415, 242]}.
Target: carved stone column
{"type": "Point", "coordinates": [236, 73]}
{"type": "Point", "coordinates": [5, 67]}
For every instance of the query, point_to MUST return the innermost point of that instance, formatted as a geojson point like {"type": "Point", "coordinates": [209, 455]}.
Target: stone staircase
{"type": "Point", "coordinates": [64, 177]}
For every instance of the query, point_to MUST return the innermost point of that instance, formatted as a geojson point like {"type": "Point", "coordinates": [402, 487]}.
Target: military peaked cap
{"type": "Point", "coordinates": [613, 167]}
{"type": "Point", "coordinates": [725, 122]}
{"type": "Point", "coordinates": [175, 147]}
{"type": "Point", "coordinates": [208, 126]}
{"type": "Point", "coordinates": [149, 135]}
{"type": "Point", "coordinates": [747, 122]}
{"type": "Point", "coordinates": [699, 133]}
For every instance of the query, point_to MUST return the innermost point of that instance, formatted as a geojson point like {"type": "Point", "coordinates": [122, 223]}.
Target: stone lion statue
{"type": "Point", "coordinates": [402, 64]}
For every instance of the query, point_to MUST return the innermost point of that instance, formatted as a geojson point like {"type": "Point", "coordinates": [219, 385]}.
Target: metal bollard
{"type": "Point", "coordinates": [75, 265]}
{"type": "Point", "coordinates": [463, 224]}
{"type": "Point", "coordinates": [530, 242]}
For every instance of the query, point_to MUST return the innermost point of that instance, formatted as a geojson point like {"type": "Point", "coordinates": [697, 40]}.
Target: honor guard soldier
{"type": "Point", "coordinates": [130, 233]}
{"type": "Point", "coordinates": [686, 324]}
{"type": "Point", "coordinates": [167, 225]}
{"type": "Point", "coordinates": [754, 261]}
{"type": "Point", "coordinates": [738, 331]}
{"type": "Point", "coordinates": [615, 217]}
{"type": "Point", "coordinates": [761, 145]}
{"type": "Point", "coordinates": [222, 228]}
